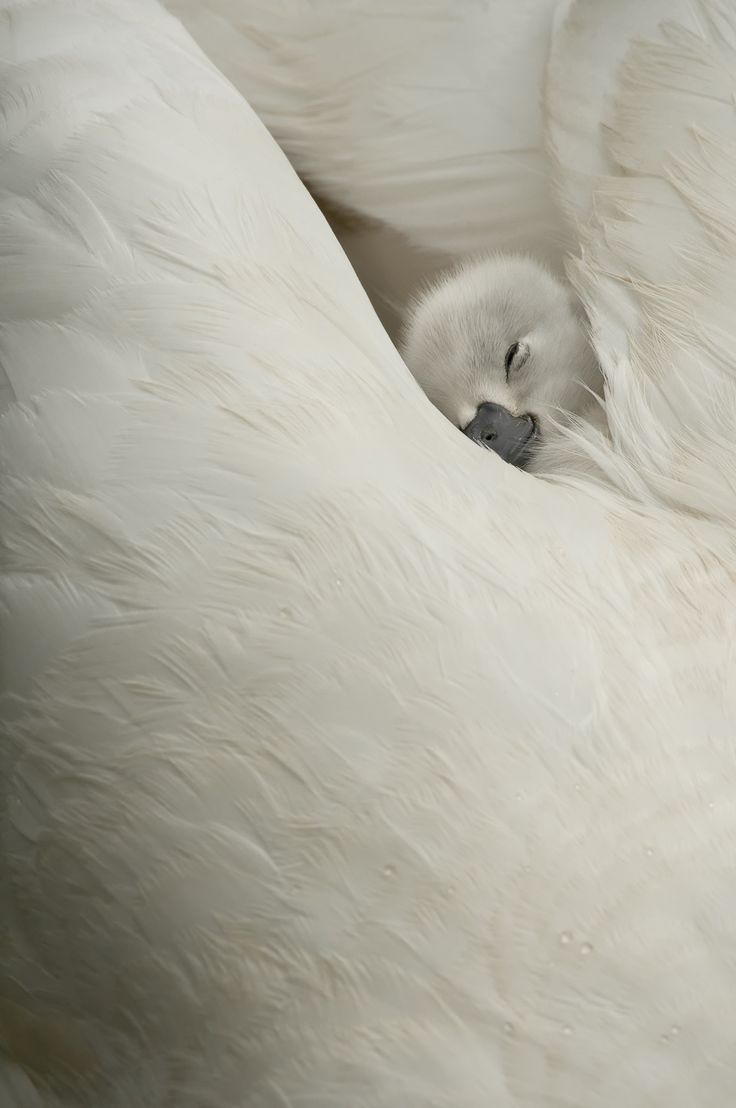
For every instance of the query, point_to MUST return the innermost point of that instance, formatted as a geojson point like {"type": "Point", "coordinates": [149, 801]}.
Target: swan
{"type": "Point", "coordinates": [332, 770]}
{"type": "Point", "coordinates": [499, 345]}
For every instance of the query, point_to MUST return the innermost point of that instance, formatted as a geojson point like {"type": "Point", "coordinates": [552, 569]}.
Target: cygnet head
{"type": "Point", "coordinates": [499, 346]}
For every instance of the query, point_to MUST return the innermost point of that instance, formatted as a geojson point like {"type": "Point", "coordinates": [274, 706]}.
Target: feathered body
{"type": "Point", "coordinates": [333, 771]}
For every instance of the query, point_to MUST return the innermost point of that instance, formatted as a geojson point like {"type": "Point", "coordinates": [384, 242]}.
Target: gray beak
{"type": "Point", "coordinates": [509, 436]}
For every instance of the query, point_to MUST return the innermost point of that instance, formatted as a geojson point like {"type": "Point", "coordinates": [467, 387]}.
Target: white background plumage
{"type": "Point", "coordinates": [343, 764]}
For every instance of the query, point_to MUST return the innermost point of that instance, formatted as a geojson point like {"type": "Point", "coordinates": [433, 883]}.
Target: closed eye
{"type": "Point", "coordinates": [516, 355]}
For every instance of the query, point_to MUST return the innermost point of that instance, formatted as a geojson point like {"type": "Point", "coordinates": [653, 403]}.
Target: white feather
{"type": "Point", "coordinates": [352, 767]}
{"type": "Point", "coordinates": [424, 115]}
{"type": "Point", "coordinates": [657, 272]}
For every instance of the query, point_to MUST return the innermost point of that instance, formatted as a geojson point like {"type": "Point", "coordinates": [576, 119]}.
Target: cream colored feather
{"type": "Point", "coordinates": [424, 115]}
{"type": "Point", "coordinates": [341, 763]}
{"type": "Point", "coordinates": [657, 266]}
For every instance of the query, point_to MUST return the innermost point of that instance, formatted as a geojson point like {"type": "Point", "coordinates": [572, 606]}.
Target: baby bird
{"type": "Point", "coordinates": [499, 346]}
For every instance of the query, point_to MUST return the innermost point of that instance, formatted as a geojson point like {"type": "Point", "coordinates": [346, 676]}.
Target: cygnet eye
{"type": "Point", "coordinates": [516, 355]}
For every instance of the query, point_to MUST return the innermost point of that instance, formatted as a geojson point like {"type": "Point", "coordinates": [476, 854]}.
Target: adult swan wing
{"type": "Point", "coordinates": [341, 763]}
{"type": "Point", "coordinates": [646, 171]}
{"type": "Point", "coordinates": [423, 115]}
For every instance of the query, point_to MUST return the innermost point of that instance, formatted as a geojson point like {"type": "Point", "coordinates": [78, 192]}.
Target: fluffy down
{"type": "Point", "coordinates": [504, 331]}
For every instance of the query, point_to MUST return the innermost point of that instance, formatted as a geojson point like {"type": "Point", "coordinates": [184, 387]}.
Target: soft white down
{"type": "Point", "coordinates": [505, 332]}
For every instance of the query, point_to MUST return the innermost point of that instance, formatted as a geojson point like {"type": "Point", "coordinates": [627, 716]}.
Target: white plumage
{"type": "Point", "coordinates": [409, 112]}
{"type": "Point", "coordinates": [425, 116]}
{"type": "Point", "coordinates": [342, 763]}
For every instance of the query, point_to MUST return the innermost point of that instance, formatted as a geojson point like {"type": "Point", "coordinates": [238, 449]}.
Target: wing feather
{"type": "Point", "coordinates": [657, 244]}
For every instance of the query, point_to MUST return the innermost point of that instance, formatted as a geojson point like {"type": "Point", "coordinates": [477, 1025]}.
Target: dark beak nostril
{"type": "Point", "coordinates": [510, 436]}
